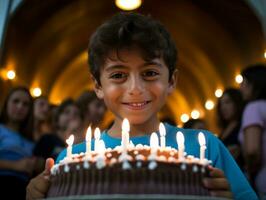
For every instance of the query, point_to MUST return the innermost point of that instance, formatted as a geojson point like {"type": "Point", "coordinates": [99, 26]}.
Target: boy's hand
{"type": "Point", "coordinates": [38, 186]}
{"type": "Point", "coordinates": [218, 184]}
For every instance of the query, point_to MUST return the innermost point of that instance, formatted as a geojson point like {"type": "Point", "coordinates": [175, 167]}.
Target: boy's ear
{"type": "Point", "coordinates": [173, 82]}
{"type": "Point", "coordinates": [97, 88]}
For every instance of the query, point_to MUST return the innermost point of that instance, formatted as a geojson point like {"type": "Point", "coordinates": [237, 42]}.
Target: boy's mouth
{"type": "Point", "coordinates": [137, 105]}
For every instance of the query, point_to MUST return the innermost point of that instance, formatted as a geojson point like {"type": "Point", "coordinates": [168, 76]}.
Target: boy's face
{"type": "Point", "coordinates": [133, 88]}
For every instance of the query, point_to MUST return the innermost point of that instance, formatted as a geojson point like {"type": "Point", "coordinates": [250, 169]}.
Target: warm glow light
{"type": "Point", "coordinates": [218, 93]}
{"type": "Point", "coordinates": [125, 125]}
{"type": "Point", "coordinates": [128, 4]}
{"type": "Point", "coordinates": [36, 92]}
{"type": "Point", "coordinates": [70, 140]}
{"type": "Point", "coordinates": [265, 54]}
{"type": "Point", "coordinates": [195, 114]}
{"type": "Point", "coordinates": [209, 105]}
{"type": "Point", "coordinates": [184, 118]}
{"type": "Point", "coordinates": [201, 139]}
{"type": "Point", "coordinates": [10, 74]}
{"type": "Point", "coordinates": [238, 78]}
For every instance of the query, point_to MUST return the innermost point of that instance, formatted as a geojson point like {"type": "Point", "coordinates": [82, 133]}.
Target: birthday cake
{"type": "Point", "coordinates": [130, 170]}
{"type": "Point", "coordinates": [139, 171]}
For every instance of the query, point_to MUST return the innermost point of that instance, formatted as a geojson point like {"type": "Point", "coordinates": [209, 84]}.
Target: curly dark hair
{"type": "Point", "coordinates": [129, 30]}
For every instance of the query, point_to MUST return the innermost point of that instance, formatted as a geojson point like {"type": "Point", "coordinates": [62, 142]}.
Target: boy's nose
{"type": "Point", "coordinates": [136, 86]}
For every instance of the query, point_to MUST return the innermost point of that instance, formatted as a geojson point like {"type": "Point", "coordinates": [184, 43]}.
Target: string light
{"type": "Point", "coordinates": [128, 4]}
{"type": "Point", "coordinates": [36, 92]}
{"type": "Point", "coordinates": [209, 105]}
{"type": "Point", "coordinates": [218, 93]}
{"type": "Point", "coordinates": [238, 78]}
{"type": "Point", "coordinates": [195, 114]}
{"type": "Point", "coordinates": [184, 118]}
{"type": "Point", "coordinates": [10, 74]}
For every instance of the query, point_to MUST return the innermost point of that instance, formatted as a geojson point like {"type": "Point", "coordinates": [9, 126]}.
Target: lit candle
{"type": "Point", "coordinates": [125, 135]}
{"type": "Point", "coordinates": [100, 159]}
{"type": "Point", "coordinates": [154, 144]}
{"type": "Point", "coordinates": [101, 149]}
{"type": "Point", "coordinates": [69, 141]}
{"type": "Point", "coordinates": [181, 147]}
{"type": "Point", "coordinates": [203, 147]}
{"type": "Point", "coordinates": [97, 136]}
{"type": "Point", "coordinates": [88, 141]}
{"type": "Point", "coordinates": [162, 134]}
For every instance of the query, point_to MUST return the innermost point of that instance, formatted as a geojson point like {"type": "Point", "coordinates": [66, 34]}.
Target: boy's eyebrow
{"type": "Point", "coordinates": [119, 66]}
{"type": "Point", "coordinates": [152, 63]}
{"type": "Point", "coordinates": [116, 66]}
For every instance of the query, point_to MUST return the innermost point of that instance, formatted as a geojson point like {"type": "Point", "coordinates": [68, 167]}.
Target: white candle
{"type": "Point", "coordinates": [97, 136]}
{"type": "Point", "coordinates": [69, 141]}
{"type": "Point", "coordinates": [203, 147]}
{"type": "Point", "coordinates": [100, 159]}
{"type": "Point", "coordinates": [101, 149]}
{"type": "Point", "coordinates": [181, 147]}
{"type": "Point", "coordinates": [162, 134]}
{"type": "Point", "coordinates": [154, 144]}
{"type": "Point", "coordinates": [88, 141]}
{"type": "Point", "coordinates": [125, 135]}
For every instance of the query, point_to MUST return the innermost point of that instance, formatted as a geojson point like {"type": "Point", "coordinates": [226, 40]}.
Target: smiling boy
{"type": "Point", "coordinates": [133, 64]}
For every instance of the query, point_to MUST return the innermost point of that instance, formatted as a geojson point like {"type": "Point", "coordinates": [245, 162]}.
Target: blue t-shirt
{"type": "Point", "coordinates": [13, 146]}
{"type": "Point", "coordinates": [216, 151]}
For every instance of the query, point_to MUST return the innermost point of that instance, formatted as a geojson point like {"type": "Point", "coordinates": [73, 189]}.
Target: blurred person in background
{"type": "Point", "coordinates": [92, 108]}
{"type": "Point", "coordinates": [42, 117]}
{"type": "Point", "coordinates": [253, 128]}
{"type": "Point", "coordinates": [16, 161]}
{"type": "Point", "coordinates": [229, 112]}
{"type": "Point", "coordinates": [51, 144]}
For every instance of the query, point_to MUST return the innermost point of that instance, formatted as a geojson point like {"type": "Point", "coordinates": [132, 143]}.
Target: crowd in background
{"type": "Point", "coordinates": [32, 130]}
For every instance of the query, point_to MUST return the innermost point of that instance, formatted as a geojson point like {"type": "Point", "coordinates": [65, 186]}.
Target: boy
{"type": "Point", "coordinates": [132, 60]}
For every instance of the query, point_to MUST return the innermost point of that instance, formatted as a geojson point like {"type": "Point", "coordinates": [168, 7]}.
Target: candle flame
{"type": "Point", "coordinates": [180, 138]}
{"type": "Point", "coordinates": [70, 140]}
{"type": "Point", "coordinates": [125, 125]}
{"type": "Point", "coordinates": [154, 140]}
{"type": "Point", "coordinates": [162, 129]}
{"type": "Point", "coordinates": [201, 139]}
{"type": "Point", "coordinates": [97, 133]}
{"type": "Point", "coordinates": [88, 134]}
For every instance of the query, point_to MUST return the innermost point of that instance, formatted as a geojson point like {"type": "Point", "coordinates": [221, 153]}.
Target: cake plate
{"type": "Point", "coordinates": [139, 197]}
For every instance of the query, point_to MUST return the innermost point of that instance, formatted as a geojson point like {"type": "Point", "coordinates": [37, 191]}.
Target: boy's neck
{"type": "Point", "coordinates": [135, 129]}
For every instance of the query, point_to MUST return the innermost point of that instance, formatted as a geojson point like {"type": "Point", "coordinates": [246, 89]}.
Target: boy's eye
{"type": "Point", "coordinates": [118, 75]}
{"type": "Point", "coordinates": [150, 74]}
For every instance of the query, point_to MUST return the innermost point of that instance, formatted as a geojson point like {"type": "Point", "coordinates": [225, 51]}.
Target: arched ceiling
{"type": "Point", "coordinates": [46, 43]}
